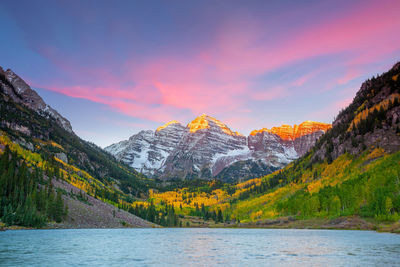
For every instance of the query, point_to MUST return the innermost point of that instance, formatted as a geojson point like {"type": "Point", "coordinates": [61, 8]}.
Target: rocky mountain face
{"type": "Point", "coordinates": [146, 151]}
{"type": "Point", "coordinates": [207, 148]}
{"type": "Point", "coordinates": [371, 120]}
{"type": "Point", "coordinates": [20, 92]}
{"type": "Point", "coordinates": [205, 141]}
{"type": "Point", "coordinates": [301, 137]}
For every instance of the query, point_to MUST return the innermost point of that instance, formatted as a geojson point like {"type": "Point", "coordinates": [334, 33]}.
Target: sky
{"type": "Point", "coordinates": [114, 68]}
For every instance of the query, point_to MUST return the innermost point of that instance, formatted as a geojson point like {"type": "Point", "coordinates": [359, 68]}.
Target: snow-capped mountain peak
{"type": "Point", "coordinates": [205, 122]}
{"type": "Point", "coordinates": [206, 147]}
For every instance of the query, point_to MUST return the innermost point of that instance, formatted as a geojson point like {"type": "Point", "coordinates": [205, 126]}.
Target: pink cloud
{"type": "Point", "coordinates": [360, 32]}
{"type": "Point", "coordinates": [351, 74]}
{"type": "Point", "coordinates": [305, 78]}
{"type": "Point", "coordinates": [219, 76]}
{"type": "Point", "coordinates": [118, 100]}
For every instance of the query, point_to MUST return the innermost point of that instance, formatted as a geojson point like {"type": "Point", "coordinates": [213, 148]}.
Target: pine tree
{"type": "Point", "coordinates": [220, 217]}
{"type": "Point", "coordinates": [58, 208]}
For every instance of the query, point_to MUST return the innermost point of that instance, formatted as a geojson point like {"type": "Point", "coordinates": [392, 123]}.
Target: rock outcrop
{"type": "Point", "coordinates": [20, 92]}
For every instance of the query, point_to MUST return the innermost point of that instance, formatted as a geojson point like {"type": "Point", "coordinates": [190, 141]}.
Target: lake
{"type": "Point", "coordinates": [198, 247]}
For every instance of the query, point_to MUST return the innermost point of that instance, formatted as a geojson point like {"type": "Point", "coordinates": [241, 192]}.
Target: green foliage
{"type": "Point", "coordinates": [244, 170]}
{"type": "Point", "coordinates": [23, 199]}
{"type": "Point", "coordinates": [205, 213]}
{"type": "Point", "coordinates": [372, 193]}
{"type": "Point", "coordinates": [163, 215]}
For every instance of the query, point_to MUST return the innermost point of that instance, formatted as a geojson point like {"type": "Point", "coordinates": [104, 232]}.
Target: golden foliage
{"type": "Point", "coordinates": [56, 145]}
{"type": "Point", "coordinates": [73, 175]}
{"type": "Point", "coordinates": [256, 215]}
{"type": "Point", "coordinates": [255, 181]}
{"type": "Point", "coordinates": [376, 153]}
{"type": "Point", "coordinates": [362, 115]}
{"type": "Point", "coordinates": [185, 199]}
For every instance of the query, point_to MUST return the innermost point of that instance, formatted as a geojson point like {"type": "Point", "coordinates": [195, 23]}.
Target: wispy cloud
{"type": "Point", "coordinates": [218, 74]}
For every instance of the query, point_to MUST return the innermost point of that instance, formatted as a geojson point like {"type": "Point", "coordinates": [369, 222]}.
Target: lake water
{"type": "Point", "coordinates": [198, 247]}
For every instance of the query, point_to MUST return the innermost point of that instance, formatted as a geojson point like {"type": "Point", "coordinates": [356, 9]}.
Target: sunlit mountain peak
{"type": "Point", "coordinates": [167, 124]}
{"type": "Point", "coordinates": [288, 132]}
{"type": "Point", "coordinates": [204, 121]}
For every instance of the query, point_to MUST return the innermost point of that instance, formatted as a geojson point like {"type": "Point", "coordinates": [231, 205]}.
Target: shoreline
{"type": "Point", "coordinates": [341, 223]}
{"type": "Point", "coordinates": [13, 228]}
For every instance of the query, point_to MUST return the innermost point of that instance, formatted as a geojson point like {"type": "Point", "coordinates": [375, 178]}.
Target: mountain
{"type": "Point", "coordinates": [41, 150]}
{"type": "Point", "coordinates": [372, 119]}
{"type": "Point", "coordinates": [352, 172]}
{"type": "Point", "coordinates": [302, 137]}
{"type": "Point", "coordinates": [16, 88]}
{"type": "Point", "coordinates": [147, 150]}
{"type": "Point", "coordinates": [207, 148]}
{"type": "Point", "coordinates": [350, 178]}
{"type": "Point", "coordinates": [205, 140]}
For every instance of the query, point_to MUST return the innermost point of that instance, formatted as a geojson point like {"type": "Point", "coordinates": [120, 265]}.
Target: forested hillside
{"type": "Point", "coordinates": [353, 170]}
{"type": "Point", "coordinates": [40, 149]}
{"type": "Point", "coordinates": [26, 197]}
{"type": "Point", "coordinates": [43, 136]}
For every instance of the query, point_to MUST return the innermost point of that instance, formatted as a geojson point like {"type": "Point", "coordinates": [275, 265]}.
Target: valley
{"type": "Point", "coordinates": [311, 175]}
{"type": "Point", "coordinates": [199, 133]}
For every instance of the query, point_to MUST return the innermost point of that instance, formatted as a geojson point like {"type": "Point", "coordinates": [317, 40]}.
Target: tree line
{"type": "Point", "coordinates": [206, 214]}
{"type": "Point", "coordinates": [26, 198]}
{"type": "Point", "coordinates": [163, 214]}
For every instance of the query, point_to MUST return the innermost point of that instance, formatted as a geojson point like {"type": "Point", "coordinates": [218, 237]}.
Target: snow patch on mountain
{"type": "Point", "coordinates": [243, 153]}
{"type": "Point", "coordinates": [204, 148]}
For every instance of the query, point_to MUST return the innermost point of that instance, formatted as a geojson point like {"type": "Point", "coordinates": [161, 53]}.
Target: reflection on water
{"type": "Point", "coordinates": [198, 247]}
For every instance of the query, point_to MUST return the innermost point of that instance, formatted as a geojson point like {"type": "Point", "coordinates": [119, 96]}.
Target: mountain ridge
{"type": "Point", "coordinates": [288, 132]}
{"type": "Point", "coordinates": [206, 146]}
{"type": "Point", "coordinates": [20, 92]}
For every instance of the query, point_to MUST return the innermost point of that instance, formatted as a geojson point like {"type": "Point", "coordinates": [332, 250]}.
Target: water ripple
{"type": "Point", "coordinates": [198, 247]}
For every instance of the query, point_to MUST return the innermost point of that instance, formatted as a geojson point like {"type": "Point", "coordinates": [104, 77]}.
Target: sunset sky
{"type": "Point", "coordinates": [116, 67]}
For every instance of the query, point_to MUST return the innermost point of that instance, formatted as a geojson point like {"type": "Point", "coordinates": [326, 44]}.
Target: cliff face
{"type": "Point", "coordinates": [300, 137]}
{"type": "Point", "coordinates": [20, 92]}
{"type": "Point", "coordinates": [207, 148]}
